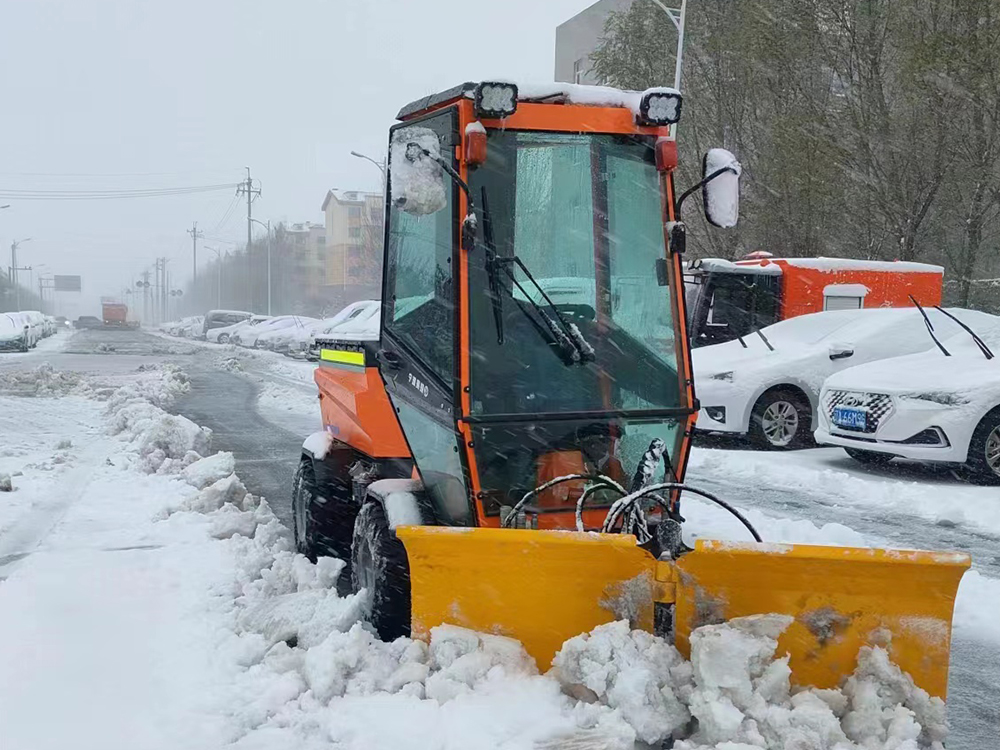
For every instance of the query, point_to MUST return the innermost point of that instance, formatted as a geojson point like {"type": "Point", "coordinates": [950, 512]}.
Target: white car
{"type": "Point", "coordinates": [14, 333]}
{"type": "Point", "coordinates": [767, 385]}
{"type": "Point", "coordinates": [227, 333]}
{"type": "Point", "coordinates": [276, 339]}
{"type": "Point", "coordinates": [926, 407]}
{"type": "Point", "coordinates": [247, 337]}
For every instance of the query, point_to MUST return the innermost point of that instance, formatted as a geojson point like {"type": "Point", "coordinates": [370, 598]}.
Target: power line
{"type": "Point", "coordinates": [15, 194]}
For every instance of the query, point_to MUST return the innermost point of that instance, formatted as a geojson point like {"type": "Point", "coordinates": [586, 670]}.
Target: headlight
{"type": "Point", "coordinates": [727, 376]}
{"type": "Point", "coordinates": [660, 106]}
{"type": "Point", "coordinates": [495, 100]}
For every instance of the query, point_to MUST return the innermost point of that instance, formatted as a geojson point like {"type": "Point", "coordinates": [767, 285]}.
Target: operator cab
{"type": "Point", "coordinates": [532, 307]}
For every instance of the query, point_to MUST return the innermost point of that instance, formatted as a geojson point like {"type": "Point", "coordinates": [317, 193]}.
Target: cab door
{"type": "Point", "coordinates": [417, 356]}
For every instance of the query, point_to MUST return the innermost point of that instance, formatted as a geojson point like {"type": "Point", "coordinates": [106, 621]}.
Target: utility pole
{"type": "Point", "coordinates": [195, 234]}
{"type": "Point", "coordinates": [13, 272]}
{"type": "Point", "coordinates": [247, 188]}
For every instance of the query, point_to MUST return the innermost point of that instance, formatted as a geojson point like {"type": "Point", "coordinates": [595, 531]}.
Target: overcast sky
{"type": "Point", "coordinates": [110, 94]}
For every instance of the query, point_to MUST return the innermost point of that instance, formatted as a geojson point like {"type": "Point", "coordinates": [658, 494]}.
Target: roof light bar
{"type": "Point", "coordinates": [660, 107]}
{"type": "Point", "coordinates": [495, 100]}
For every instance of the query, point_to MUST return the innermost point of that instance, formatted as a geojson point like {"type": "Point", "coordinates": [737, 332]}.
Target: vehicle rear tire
{"type": "Point", "coordinates": [323, 526]}
{"type": "Point", "coordinates": [781, 420]}
{"type": "Point", "coordinates": [379, 564]}
{"type": "Point", "coordinates": [869, 458]}
{"type": "Point", "coordinates": [984, 450]}
{"type": "Point", "coordinates": [223, 338]}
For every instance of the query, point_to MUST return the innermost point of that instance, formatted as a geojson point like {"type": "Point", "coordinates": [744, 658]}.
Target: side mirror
{"type": "Point", "coordinates": [415, 177]}
{"type": "Point", "coordinates": [841, 351]}
{"type": "Point", "coordinates": [721, 181]}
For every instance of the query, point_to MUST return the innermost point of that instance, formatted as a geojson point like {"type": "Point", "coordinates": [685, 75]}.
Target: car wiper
{"type": "Point", "coordinates": [930, 326]}
{"type": "Point", "coordinates": [764, 338]}
{"type": "Point", "coordinates": [975, 337]}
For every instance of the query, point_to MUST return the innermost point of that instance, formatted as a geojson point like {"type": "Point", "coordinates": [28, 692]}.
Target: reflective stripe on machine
{"type": "Point", "coordinates": [342, 357]}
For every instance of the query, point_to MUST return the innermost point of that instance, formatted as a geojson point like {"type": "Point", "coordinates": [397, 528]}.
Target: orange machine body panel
{"type": "Point", "coordinates": [356, 410]}
{"type": "Point", "coordinates": [889, 283]}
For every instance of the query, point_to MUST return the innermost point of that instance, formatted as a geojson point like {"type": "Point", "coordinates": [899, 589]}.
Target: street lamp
{"type": "Point", "coordinates": [268, 228]}
{"type": "Point", "coordinates": [218, 274]}
{"type": "Point", "coordinates": [676, 16]}
{"type": "Point", "coordinates": [14, 269]}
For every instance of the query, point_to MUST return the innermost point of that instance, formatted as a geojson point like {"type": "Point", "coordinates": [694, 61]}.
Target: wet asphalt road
{"type": "Point", "coordinates": [266, 455]}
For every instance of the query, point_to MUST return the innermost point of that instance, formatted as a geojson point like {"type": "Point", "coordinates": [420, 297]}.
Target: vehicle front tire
{"type": "Point", "coordinates": [223, 338]}
{"type": "Point", "coordinates": [379, 565]}
{"type": "Point", "coordinates": [323, 526]}
{"type": "Point", "coordinates": [869, 458]}
{"type": "Point", "coordinates": [781, 420]}
{"type": "Point", "coordinates": [984, 450]}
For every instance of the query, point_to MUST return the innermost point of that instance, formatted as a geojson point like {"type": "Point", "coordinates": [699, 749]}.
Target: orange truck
{"type": "Point", "coordinates": [114, 314]}
{"type": "Point", "coordinates": [727, 299]}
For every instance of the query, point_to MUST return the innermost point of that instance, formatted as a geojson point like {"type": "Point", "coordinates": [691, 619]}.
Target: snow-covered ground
{"type": "Point", "coordinates": [148, 599]}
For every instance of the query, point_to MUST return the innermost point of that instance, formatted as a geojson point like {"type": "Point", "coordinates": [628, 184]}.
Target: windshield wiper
{"type": "Point", "coordinates": [491, 267]}
{"type": "Point", "coordinates": [764, 338]}
{"type": "Point", "coordinates": [930, 327]}
{"type": "Point", "coordinates": [975, 337]}
{"type": "Point", "coordinates": [572, 347]}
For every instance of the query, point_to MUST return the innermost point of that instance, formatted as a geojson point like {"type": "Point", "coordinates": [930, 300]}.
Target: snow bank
{"type": "Point", "coordinates": [206, 471]}
{"type": "Point", "coordinates": [43, 380]}
{"type": "Point", "coordinates": [735, 695]}
{"type": "Point", "coordinates": [161, 443]}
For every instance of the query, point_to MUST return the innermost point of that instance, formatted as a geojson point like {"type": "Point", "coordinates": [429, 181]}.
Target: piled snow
{"type": "Point", "coordinates": [206, 471]}
{"type": "Point", "coordinates": [42, 380]}
{"type": "Point", "coordinates": [735, 695]}
{"type": "Point", "coordinates": [417, 186]}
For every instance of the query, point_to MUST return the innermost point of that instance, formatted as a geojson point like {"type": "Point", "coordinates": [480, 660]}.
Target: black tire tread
{"type": "Point", "coordinates": [389, 611]}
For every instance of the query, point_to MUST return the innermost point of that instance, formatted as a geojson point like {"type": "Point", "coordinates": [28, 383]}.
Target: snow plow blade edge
{"type": "Point", "coordinates": [543, 587]}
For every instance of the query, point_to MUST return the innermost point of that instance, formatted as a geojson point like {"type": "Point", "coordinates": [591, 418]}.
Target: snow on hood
{"type": "Point", "coordinates": [966, 372]}
{"type": "Point", "coordinates": [802, 344]}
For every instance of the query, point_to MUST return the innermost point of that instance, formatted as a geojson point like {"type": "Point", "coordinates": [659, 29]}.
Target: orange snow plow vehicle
{"type": "Point", "coordinates": [508, 452]}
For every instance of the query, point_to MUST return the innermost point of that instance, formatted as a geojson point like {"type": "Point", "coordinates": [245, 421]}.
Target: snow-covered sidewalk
{"type": "Point", "coordinates": [150, 601]}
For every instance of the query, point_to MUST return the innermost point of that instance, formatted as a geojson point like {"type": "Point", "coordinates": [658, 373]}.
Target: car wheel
{"type": "Point", "coordinates": [984, 450]}
{"type": "Point", "coordinates": [781, 420]}
{"type": "Point", "coordinates": [223, 338]}
{"type": "Point", "coordinates": [869, 458]}
{"type": "Point", "coordinates": [323, 526]}
{"type": "Point", "coordinates": [379, 565]}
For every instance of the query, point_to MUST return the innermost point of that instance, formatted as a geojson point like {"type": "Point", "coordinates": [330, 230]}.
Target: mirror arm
{"type": "Point", "coordinates": [698, 186]}
{"type": "Point", "coordinates": [453, 175]}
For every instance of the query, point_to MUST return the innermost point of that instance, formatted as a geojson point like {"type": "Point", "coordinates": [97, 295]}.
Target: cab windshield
{"type": "Point", "coordinates": [583, 215]}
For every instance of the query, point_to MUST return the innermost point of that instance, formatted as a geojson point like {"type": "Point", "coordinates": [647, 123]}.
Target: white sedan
{"type": "Point", "coordinates": [767, 385]}
{"type": "Point", "coordinates": [231, 332]}
{"type": "Point", "coordinates": [941, 406]}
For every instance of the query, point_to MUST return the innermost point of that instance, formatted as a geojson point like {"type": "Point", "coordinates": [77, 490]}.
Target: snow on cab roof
{"type": "Point", "coordinates": [551, 93]}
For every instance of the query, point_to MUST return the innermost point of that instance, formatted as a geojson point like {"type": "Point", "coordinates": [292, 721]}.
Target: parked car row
{"type": "Point", "coordinates": [292, 335]}
{"type": "Point", "coordinates": [881, 383]}
{"type": "Point", "coordinates": [21, 331]}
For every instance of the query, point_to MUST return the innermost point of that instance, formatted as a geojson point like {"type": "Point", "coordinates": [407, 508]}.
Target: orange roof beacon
{"type": "Point", "coordinates": [510, 452]}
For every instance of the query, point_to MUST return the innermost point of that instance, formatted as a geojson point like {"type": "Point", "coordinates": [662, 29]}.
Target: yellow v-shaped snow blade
{"type": "Point", "coordinates": [543, 587]}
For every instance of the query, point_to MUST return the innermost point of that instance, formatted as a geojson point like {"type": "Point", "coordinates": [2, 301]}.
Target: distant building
{"type": "Point", "coordinates": [577, 38]}
{"type": "Point", "coordinates": [354, 222]}
{"type": "Point", "coordinates": [308, 258]}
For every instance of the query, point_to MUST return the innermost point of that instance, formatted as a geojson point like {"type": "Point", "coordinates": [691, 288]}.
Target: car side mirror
{"type": "Point", "coordinates": [841, 351]}
{"type": "Point", "coordinates": [721, 187]}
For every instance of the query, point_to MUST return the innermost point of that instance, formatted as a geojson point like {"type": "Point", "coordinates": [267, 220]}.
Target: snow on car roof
{"type": "Point", "coordinates": [849, 264]}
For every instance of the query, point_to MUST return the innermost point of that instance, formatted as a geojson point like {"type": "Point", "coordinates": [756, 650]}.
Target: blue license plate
{"type": "Point", "coordinates": [852, 419]}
